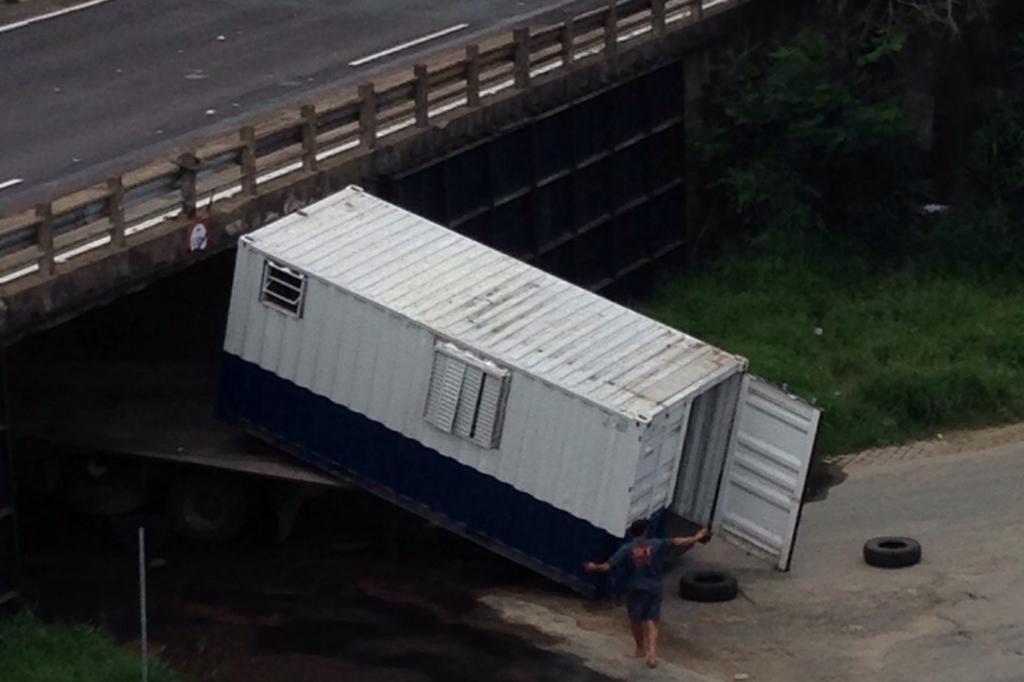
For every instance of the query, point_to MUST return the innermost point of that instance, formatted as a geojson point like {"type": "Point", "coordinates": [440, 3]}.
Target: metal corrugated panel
{"type": "Point", "coordinates": [491, 303]}
{"type": "Point", "coordinates": [554, 446]}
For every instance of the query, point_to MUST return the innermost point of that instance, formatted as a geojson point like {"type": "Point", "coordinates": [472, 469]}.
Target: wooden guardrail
{"type": "Point", "coordinates": [54, 236]}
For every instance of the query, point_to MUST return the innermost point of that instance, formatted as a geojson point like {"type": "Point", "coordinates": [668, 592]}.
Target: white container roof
{"type": "Point", "coordinates": [493, 304]}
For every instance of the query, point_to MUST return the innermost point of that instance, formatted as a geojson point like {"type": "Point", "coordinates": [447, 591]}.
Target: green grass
{"type": "Point", "coordinates": [902, 354]}
{"type": "Point", "coordinates": [31, 651]}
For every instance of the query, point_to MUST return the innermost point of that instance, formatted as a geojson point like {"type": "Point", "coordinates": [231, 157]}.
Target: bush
{"type": "Point", "coordinates": [902, 354]}
{"type": "Point", "coordinates": [31, 651]}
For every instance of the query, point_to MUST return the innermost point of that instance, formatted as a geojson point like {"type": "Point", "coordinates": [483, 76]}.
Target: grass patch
{"type": "Point", "coordinates": [32, 651]}
{"type": "Point", "coordinates": [901, 354]}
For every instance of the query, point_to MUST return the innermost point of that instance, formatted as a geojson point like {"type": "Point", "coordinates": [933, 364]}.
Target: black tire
{"type": "Point", "coordinates": [892, 552]}
{"type": "Point", "coordinates": [208, 509]}
{"type": "Point", "coordinates": [708, 585]}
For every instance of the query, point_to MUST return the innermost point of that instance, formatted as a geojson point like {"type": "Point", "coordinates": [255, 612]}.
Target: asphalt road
{"type": "Point", "coordinates": [955, 617]}
{"type": "Point", "coordinates": [88, 93]}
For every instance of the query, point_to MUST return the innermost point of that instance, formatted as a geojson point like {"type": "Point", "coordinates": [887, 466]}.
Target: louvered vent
{"type": "Point", "coordinates": [283, 289]}
{"type": "Point", "coordinates": [466, 396]}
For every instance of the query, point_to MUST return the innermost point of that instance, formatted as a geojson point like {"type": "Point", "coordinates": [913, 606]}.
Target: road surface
{"type": "Point", "coordinates": [955, 617]}
{"type": "Point", "coordinates": [92, 92]}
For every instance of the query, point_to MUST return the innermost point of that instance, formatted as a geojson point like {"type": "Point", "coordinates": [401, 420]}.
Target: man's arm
{"type": "Point", "coordinates": [608, 566]}
{"type": "Point", "coordinates": [691, 540]}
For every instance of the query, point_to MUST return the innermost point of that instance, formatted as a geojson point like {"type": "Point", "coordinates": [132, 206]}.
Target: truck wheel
{"type": "Point", "coordinates": [708, 585]}
{"type": "Point", "coordinates": [207, 509]}
{"type": "Point", "coordinates": [892, 552]}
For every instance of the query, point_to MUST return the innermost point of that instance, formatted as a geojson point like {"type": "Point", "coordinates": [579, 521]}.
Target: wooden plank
{"type": "Point", "coordinates": [81, 235]}
{"type": "Point", "coordinates": [591, 21]}
{"type": "Point", "coordinates": [332, 102]}
{"type": "Point", "coordinates": [83, 197]}
{"type": "Point", "coordinates": [396, 95]}
{"type": "Point", "coordinates": [282, 157]}
{"type": "Point", "coordinates": [20, 259]}
{"type": "Point", "coordinates": [336, 136]}
{"type": "Point", "coordinates": [630, 7]}
{"type": "Point", "coordinates": [446, 75]}
{"type": "Point", "coordinates": [149, 173]}
{"type": "Point", "coordinates": [277, 124]}
{"type": "Point", "coordinates": [498, 55]}
{"type": "Point", "coordinates": [210, 185]}
{"type": "Point", "coordinates": [545, 38]}
{"type": "Point", "coordinates": [18, 222]}
{"type": "Point", "coordinates": [339, 116]}
{"type": "Point", "coordinates": [396, 115]}
{"type": "Point", "coordinates": [218, 147]}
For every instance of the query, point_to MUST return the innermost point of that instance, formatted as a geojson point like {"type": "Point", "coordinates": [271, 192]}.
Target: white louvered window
{"type": "Point", "coordinates": [283, 289]}
{"type": "Point", "coordinates": [466, 396]}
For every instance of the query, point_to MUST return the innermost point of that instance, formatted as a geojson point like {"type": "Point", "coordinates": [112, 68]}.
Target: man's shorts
{"type": "Point", "coordinates": [644, 605]}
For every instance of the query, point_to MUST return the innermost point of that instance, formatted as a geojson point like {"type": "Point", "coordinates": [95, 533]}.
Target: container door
{"type": "Point", "coordinates": [761, 492]}
{"type": "Point", "coordinates": [658, 464]}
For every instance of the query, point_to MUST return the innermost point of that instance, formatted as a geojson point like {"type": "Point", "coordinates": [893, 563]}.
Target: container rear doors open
{"type": "Point", "coordinates": [762, 485]}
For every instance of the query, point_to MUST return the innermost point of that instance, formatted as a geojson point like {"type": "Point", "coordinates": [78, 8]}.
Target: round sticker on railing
{"type": "Point", "coordinates": [197, 238]}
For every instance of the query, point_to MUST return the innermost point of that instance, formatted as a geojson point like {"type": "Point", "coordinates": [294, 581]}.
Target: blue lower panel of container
{"type": "Point", "coordinates": [330, 436]}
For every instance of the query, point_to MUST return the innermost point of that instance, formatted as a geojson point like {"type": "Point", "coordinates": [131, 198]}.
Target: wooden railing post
{"type": "Point", "coordinates": [611, 31]}
{"type": "Point", "coordinates": [115, 211]}
{"type": "Point", "coordinates": [568, 39]}
{"type": "Point", "coordinates": [473, 75]}
{"type": "Point", "coordinates": [421, 85]}
{"type": "Point", "coordinates": [44, 239]}
{"type": "Point", "coordinates": [188, 164]}
{"type": "Point", "coordinates": [367, 116]}
{"type": "Point", "coordinates": [248, 161]}
{"type": "Point", "coordinates": [658, 17]}
{"type": "Point", "coordinates": [521, 38]}
{"type": "Point", "coordinates": [308, 114]}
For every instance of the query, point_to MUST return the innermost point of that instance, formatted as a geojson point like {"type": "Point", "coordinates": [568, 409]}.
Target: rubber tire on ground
{"type": "Point", "coordinates": [892, 552]}
{"type": "Point", "coordinates": [208, 509]}
{"type": "Point", "coordinates": [708, 585]}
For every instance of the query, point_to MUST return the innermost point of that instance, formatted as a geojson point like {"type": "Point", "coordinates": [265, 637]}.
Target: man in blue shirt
{"type": "Point", "coordinates": [644, 558]}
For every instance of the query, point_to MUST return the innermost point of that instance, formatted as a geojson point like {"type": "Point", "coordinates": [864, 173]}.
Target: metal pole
{"type": "Point", "coordinates": [142, 604]}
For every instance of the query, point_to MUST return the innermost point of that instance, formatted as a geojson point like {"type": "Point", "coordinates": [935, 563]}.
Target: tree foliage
{"type": "Point", "coordinates": [873, 16]}
{"type": "Point", "coordinates": [797, 138]}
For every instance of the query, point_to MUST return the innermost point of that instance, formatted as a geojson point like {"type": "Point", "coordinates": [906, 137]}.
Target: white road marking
{"type": "Point", "coordinates": [10, 183]}
{"type": "Point", "coordinates": [405, 46]}
{"type": "Point", "coordinates": [50, 15]}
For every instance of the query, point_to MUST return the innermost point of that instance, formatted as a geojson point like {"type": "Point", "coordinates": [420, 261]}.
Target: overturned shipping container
{"type": "Point", "coordinates": [514, 408]}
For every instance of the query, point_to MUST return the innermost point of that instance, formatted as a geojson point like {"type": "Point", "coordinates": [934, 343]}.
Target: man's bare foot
{"type": "Point", "coordinates": [652, 662]}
